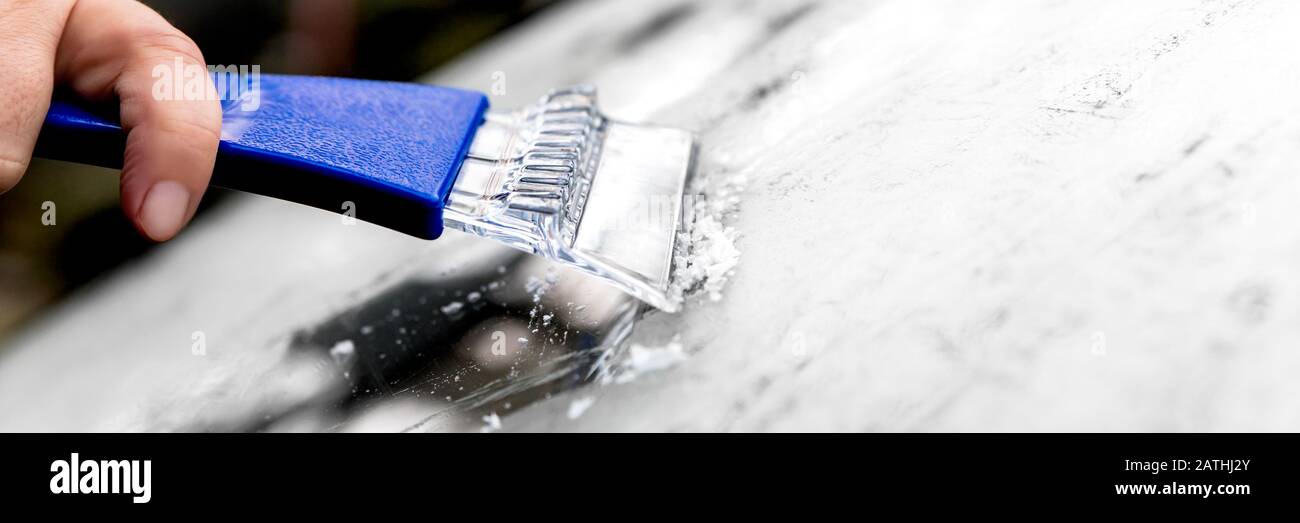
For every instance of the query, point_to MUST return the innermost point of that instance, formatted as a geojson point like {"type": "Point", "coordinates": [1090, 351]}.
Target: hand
{"type": "Point", "coordinates": [101, 50]}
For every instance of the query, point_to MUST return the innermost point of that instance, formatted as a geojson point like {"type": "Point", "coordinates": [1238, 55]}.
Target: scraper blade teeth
{"type": "Point", "coordinates": [560, 180]}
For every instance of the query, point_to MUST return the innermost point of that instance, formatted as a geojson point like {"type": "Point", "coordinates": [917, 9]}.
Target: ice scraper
{"type": "Point", "coordinates": [556, 179]}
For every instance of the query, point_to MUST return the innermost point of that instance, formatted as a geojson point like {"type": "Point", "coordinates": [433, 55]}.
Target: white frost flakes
{"type": "Point", "coordinates": [716, 255]}
{"type": "Point", "coordinates": [641, 360]}
{"type": "Point", "coordinates": [644, 359]}
{"type": "Point", "coordinates": [579, 406]}
{"type": "Point", "coordinates": [535, 285]}
{"type": "Point", "coordinates": [708, 256]}
{"type": "Point", "coordinates": [342, 352]}
{"type": "Point", "coordinates": [452, 308]}
{"type": "Point", "coordinates": [474, 297]}
{"type": "Point", "coordinates": [491, 423]}
{"type": "Point", "coordinates": [711, 261]}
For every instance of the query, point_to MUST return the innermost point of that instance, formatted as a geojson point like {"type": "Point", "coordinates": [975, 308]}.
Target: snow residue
{"type": "Point", "coordinates": [713, 258]}
{"type": "Point", "coordinates": [640, 360]}
{"type": "Point", "coordinates": [579, 406]}
{"type": "Point", "coordinates": [342, 352]}
{"type": "Point", "coordinates": [707, 259]}
{"type": "Point", "coordinates": [451, 309]}
{"type": "Point", "coordinates": [491, 423]}
{"type": "Point", "coordinates": [538, 287]}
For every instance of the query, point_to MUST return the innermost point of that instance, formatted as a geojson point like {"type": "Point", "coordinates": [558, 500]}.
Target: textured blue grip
{"type": "Point", "coordinates": [391, 149]}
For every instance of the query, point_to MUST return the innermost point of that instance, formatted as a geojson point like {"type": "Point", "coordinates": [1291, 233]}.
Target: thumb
{"type": "Point", "coordinates": [172, 137]}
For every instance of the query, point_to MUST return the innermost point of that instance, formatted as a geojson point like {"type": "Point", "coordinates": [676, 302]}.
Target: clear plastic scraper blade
{"type": "Point", "coordinates": [560, 180]}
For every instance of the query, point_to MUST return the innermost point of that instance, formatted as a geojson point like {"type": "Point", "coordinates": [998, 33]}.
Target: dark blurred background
{"type": "Point", "coordinates": [376, 39]}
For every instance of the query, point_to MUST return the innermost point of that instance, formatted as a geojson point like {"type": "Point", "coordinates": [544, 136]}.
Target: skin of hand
{"type": "Point", "coordinates": [104, 50]}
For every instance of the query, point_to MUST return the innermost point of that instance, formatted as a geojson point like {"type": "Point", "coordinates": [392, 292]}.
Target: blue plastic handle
{"type": "Point", "coordinates": [391, 149]}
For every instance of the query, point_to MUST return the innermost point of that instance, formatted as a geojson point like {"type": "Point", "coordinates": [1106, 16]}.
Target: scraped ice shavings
{"type": "Point", "coordinates": [537, 288]}
{"type": "Point", "coordinates": [640, 360]}
{"type": "Point", "coordinates": [713, 258]}
{"type": "Point", "coordinates": [342, 352]}
{"type": "Point", "coordinates": [451, 309]}
{"type": "Point", "coordinates": [708, 257]}
{"type": "Point", "coordinates": [579, 406]}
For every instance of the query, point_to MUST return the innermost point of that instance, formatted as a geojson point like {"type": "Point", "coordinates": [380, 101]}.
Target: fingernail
{"type": "Point", "coordinates": [164, 210]}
